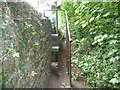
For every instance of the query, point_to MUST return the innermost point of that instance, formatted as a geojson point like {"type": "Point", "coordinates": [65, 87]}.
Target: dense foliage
{"type": "Point", "coordinates": [95, 28]}
{"type": "Point", "coordinates": [19, 39]}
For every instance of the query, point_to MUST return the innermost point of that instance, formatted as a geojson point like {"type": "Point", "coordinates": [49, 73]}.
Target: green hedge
{"type": "Point", "coordinates": [95, 27]}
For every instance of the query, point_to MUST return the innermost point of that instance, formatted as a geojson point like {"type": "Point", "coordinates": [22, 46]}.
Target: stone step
{"type": "Point", "coordinates": [55, 39]}
{"type": "Point", "coordinates": [55, 48]}
{"type": "Point", "coordinates": [54, 35]}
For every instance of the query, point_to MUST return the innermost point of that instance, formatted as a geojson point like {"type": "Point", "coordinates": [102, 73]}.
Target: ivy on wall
{"type": "Point", "coordinates": [22, 40]}
{"type": "Point", "coordinates": [95, 29]}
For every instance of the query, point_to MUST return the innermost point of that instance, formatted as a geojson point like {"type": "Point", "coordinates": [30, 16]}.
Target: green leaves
{"type": "Point", "coordinates": [16, 55]}
{"type": "Point", "coordinates": [9, 49]}
{"type": "Point", "coordinates": [113, 41]}
{"type": "Point", "coordinates": [84, 24]}
{"type": "Point", "coordinates": [33, 73]}
{"type": "Point", "coordinates": [36, 44]}
{"type": "Point", "coordinates": [112, 51]}
{"type": "Point", "coordinates": [95, 27]}
{"type": "Point", "coordinates": [105, 15]}
{"type": "Point", "coordinates": [33, 33]}
{"type": "Point", "coordinates": [112, 59]}
{"type": "Point", "coordinates": [99, 39]}
{"type": "Point", "coordinates": [114, 80]}
{"type": "Point", "coordinates": [92, 19]}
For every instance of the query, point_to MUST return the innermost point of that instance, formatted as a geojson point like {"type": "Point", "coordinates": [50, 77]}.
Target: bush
{"type": "Point", "coordinates": [96, 27]}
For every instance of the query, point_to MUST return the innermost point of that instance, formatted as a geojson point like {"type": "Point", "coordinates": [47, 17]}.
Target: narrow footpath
{"type": "Point", "coordinates": [59, 77]}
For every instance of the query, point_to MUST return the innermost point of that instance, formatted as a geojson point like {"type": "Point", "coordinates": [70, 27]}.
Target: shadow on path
{"type": "Point", "coordinates": [59, 77]}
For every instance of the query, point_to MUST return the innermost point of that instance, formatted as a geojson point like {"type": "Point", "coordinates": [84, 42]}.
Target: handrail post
{"type": "Point", "coordinates": [70, 66]}
{"type": "Point", "coordinates": [56, 19]}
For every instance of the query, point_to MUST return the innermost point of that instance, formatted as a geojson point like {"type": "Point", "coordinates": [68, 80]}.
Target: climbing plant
{"type": "Point", "coordinates": [20, 41]}
{"type": "Point", "coordinates": [95, 30]}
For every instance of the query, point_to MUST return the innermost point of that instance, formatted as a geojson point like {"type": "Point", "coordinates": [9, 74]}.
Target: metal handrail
{"type": "Point", "coordinates": [67, 23]}
{"type": "Point", "coordinates": [68, 42]}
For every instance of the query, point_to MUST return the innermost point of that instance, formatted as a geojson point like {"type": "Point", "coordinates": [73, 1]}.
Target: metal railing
{"type": "Point", "coordinates": [68, 43]}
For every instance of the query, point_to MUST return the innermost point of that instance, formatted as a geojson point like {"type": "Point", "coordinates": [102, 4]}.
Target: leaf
{"type": "Point", "coordinates": [10, 49]}
{"type": "Point", "coordinates": [97, 37]}
{"type": "Point", "coordinates": [111, 36]}
{"type": "Point", "coordinates": [33, 33]}
{"type": "Point", "coordinates": [105, 15]}
{"type": "Point", "coordinates": [112, 59]}
{"type": "Point", "coordinates": [92, 19]}
{"type": "Point", "coordinates": [36, 44]}
{"type": "Point", "coordinates": [75, 60]}
{"type": "Point", "coordinates": [77, 22]}
{"type": "Point", "coordinates": [28, 73]}
{"type": "Point", "coordinates": [33, 73]}
{"type": "Point", "coordinates": [77, 10]}
{"type": "Point", "coordinates": [98, 17]}
{"type": "Point", "coordinates": [114, 80]}
{"type": "Point", "coordinates": [84, 24]}
{"type": "Point", "coordinates": [105, 36]}
{"type": "Point", "coordinates": [76, 41]}
{"type": "Point", "coordinates": [99, 40]}
{"type": "Point", "coordinates": [117, 57]}
{"type": "Point", "coordinates": [113, 41]}
{"type": "Point", "coordinates": [112, 51]}
{"type": "Point", "coordinates": [16, 55]}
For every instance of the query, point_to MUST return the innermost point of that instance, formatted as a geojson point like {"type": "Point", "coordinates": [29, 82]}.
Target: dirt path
{"type": "Point", "coordinates": [59, 78]}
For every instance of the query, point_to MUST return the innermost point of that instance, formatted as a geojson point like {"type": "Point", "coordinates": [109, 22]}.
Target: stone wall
{"type": "Point", "coordinates": [25, 47]}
